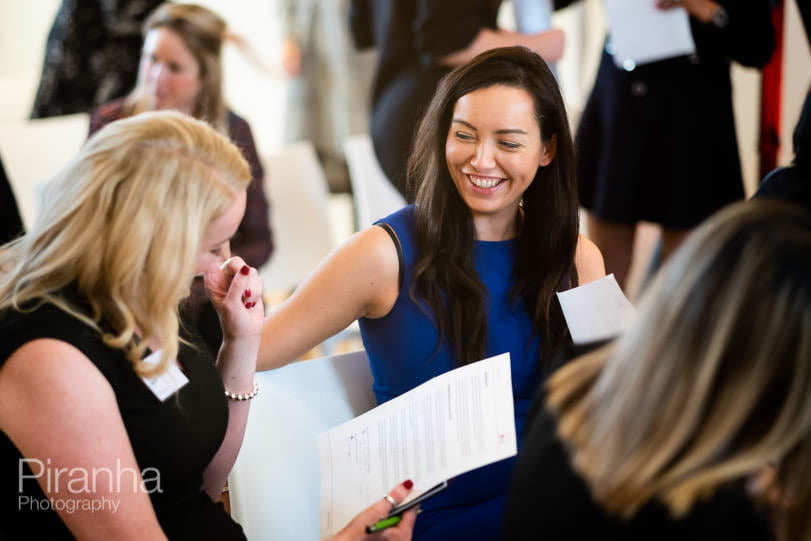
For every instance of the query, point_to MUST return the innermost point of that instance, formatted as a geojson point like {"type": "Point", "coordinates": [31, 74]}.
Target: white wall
{"type": "Point", "coordinates": [24, 27]}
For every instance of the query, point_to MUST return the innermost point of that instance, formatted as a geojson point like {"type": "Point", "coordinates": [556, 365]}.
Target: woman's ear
{"type": "Point", "coordinates": [548, 151]}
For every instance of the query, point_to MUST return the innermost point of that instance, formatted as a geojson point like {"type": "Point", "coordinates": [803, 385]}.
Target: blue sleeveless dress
{"type": "Point", "coordinates": [403, 354]}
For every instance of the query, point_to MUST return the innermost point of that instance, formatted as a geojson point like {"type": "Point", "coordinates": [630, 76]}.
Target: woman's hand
{"type": "Point", "coordinates": [549, 44]}
{"type": "Point", "coordinates": [235, 290]}
{"type": "Point", "coordinates": [291, 57]}
{"type": "Point", "coordinates": [356, 529]}
{"type": "Point", "coordinates": [700, 9]}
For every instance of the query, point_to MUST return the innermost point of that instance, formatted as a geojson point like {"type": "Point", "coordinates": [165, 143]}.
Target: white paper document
{"type": "Point", "coordinates": [641, 33]}
{"type": "Point", "coordinates": [449, 425]}
{"type": "Point", "coordinates": [596, 311]}
{"type": "Point", "coordinates": [164, 385]}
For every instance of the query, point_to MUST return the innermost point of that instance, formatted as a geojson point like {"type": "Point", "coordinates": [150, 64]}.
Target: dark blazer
{"type": "Point", "coordinates": [550, 500]}
{"type": "Point", "coordinates": [793, 182]}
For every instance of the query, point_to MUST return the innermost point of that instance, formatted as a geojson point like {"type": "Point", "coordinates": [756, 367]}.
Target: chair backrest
{"type": "Point", "coordinates": [34, 151]}
{"type": "Point", "coordinates": [298, 194]}
{"type": "Point", "coordinates": [275, 484]}
{"type": "Point", "coordinates": [375, 197]}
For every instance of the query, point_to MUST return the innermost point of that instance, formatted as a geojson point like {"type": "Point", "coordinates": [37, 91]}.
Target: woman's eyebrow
{"type": "Point", "coordinates": [464, 123]}
{"type": "Point", "coordinates": [500, 132]}
{"type": "Point", "coordinates": [511, 130]}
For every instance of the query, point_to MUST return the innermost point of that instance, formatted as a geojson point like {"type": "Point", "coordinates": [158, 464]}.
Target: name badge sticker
{"type": "Point", "coordinates": [168, 383]}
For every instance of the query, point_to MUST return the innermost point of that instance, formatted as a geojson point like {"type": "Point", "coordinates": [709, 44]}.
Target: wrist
{"type": "Point", "coordinates": [240, 343]}
{"type": "Point", "coordinates": [236, 363]}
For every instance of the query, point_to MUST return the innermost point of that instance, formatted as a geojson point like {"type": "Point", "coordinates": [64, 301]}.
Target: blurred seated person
{"type": "Point", "coordinates": [181, 69]}
{"type": "Point", "coordinates": [671, 432]}
{"type": "Point", "coordinates": [112, 426]}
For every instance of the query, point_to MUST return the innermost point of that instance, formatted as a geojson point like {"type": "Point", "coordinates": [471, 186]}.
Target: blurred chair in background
{"type": "Point", "coordinates": [374, 196]}
{"type": "Point", "coordinates": [300, 218]}
{"type": "Point", "coordinates": [275, 484]}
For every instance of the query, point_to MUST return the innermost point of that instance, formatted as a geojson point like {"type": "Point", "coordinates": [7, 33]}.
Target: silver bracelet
{"type": "Point", "coordinates": [246, 396]}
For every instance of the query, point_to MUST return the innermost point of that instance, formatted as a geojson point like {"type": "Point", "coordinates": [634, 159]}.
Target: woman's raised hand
{"type": "Point", "coordinates": [235, 290]}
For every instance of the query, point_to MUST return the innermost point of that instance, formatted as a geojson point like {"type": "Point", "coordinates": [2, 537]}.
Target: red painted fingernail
{"type": "Point", "coordinates": [253, 304]}
{"type": "Point", "coordinates": [248, 305]}
{"type": "Point", "coordinates": [247, 292]}
{"type": "Point", "coordinates": [408, 483]}
{"type": "Point", "coordinates": [245, 270]}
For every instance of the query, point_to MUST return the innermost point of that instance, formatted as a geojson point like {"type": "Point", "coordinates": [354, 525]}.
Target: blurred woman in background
{"type": "Point", "coordinates": [181, 69]}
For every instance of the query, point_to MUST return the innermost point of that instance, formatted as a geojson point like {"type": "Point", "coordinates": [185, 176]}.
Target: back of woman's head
{"type": "Point", "coordinates": [123, 222]}
{"type": "Point", "coordinates": [737, 301]}
{"type": "Point", "coordinates": [203, 33]}
{"type": "Point", "coordinates": [713, 381]}
{"type": "Point", "coordinates": [729, 318]}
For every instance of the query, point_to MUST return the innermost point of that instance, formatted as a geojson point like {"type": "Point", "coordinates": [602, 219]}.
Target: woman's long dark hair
{"type": "Point", "coordinates": [444, 276]}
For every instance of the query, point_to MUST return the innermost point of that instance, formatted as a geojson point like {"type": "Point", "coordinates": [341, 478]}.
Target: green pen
{"type": "Point", "coordinates": [383, 524]}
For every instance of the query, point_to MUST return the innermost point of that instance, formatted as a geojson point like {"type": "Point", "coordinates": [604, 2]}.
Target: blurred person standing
{"type": "Point", "coordinates": [329, 95]}
{"type": "Point", "coordinates": [658, 143]}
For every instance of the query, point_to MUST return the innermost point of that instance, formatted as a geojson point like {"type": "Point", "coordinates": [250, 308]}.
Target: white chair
{"type": "Point", "coordinates": [275, 484]}
{"type": "Point", "coordinates": [299, 198]}
{"type": "Point", "coordinates": [375, 197]}
{"type": "Point", "coordinates": [35, 151]}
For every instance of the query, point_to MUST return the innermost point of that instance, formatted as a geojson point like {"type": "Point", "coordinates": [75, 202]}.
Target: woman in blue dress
{"type": "Point", "coordinates": [470, 270]}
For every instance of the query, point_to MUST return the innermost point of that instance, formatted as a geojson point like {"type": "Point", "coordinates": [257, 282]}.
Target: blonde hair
{"type": "Point", "coordinates": [713, 382]}
{"type": "Point", "coordinates": [203, 32]}
{"type": "Point", "coordinates": [122, 223]}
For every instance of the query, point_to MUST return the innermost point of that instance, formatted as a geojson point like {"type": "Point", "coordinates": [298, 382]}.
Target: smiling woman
{"type": "Point", "coordinates": [493, 152]}
{"type": "Point", "coordinates": [470, 270]}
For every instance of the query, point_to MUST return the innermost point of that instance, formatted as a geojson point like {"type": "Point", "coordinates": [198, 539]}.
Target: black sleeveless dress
{"type": "Point", "coordinates": [173, 440]}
